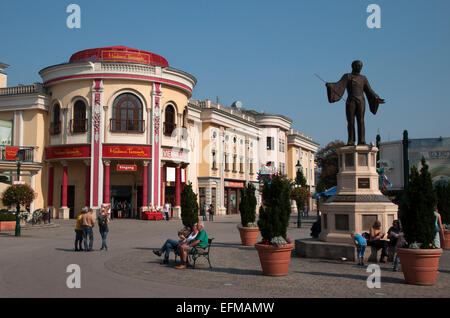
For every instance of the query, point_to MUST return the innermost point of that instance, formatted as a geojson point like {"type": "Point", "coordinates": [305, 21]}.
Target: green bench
{"type": "Point", "coordinates": [196, 253]}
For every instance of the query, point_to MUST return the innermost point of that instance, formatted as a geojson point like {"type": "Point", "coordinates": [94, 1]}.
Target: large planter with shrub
{"type": "Point", "coordinates": [420, 260]}
{"type": "Point", "coordinates": [275, 249]}
{"type": "Point", "coordinates": [420, 266]}
{"type": "Point", "coordinates": [7, 221]}
{"type": "Point", "coordinates": [248, 229]}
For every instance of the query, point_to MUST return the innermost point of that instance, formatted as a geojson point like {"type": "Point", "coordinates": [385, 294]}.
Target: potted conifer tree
{"type": "Point", "coordinates": [189, 206]}
{"type": "Point", "coordinates": [420, 258]}
{"type": "Point", "coordinates": [248, 228]}
{"type": "Point", "coordinates": [275, 248]}
{"type": "Point", "coordinates": [443, 202]}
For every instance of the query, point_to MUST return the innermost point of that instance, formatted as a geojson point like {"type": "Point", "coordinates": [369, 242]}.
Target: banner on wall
{"type": "Point", "coordinates": [126, 167]}
{"type": "Point", "coordinates": [170, 174]}
{"type": "Point", "coordinates": [122, 151]}
{"type": "Point", "coordinates": [6, 127]}
{"type": "Point", "coordinates": [67, 152]}
{"type": "Point", "coordinates": [11, 153]}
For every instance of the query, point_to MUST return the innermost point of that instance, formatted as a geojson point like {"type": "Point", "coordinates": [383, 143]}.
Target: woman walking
{"type": "Point", "coordinates": [103, 222]}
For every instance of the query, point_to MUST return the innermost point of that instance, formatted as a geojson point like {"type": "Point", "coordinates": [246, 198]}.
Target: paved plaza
{"type": "Point", "coordinates": [34, 265]}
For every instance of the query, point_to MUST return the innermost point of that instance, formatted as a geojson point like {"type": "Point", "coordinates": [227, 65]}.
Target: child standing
{"type": "Point", "coordinates": [361, 245]}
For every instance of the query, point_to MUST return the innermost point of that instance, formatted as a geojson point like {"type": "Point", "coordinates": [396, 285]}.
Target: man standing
{"type": "Point", "coordinates": [204, 211]}
{"type": "Point", "coordinates": [211, 212]}
{"type": "Point", "coordinates": [166, 210]}
{"type": "Point", "coordinates": [356, 85]}
{"type": "Point", "coordinates": [200, 241]}
{"type": "Point", "coordinates": [88, 222]}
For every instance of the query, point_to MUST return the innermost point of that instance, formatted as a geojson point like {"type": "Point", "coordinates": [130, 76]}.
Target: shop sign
{"type": "Point", "coordinates": [234, 184]}
{"type": "Point", "coordinates": [170, 154]}
{"type": "Point", "coordinates": [121, 151]}
{"type": "Point", "coordinates": [11, 153]}
{"type": "Point", "coordinates": [68, 152]}
{"type": "Point", "coordinates": [124, 56]}
{"type": "Point", "coordinates": [124, 167]}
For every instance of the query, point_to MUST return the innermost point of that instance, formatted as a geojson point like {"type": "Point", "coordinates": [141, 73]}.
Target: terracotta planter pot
{"type": "Point", "coordinates": [7, 225]}
{"type": "Point", "coordinates": [420, 266]}
{"type": "Point", "coordinates": [274, 260]}
{"type": "Point", "coordinates": [445, 241]}
{"type": "Point", "coordinates": [249, 235]}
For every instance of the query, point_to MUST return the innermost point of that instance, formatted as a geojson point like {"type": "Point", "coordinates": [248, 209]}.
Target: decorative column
{"type": "Point", "coordinates": [177, 186]}
{"type": "Point", "coordinates": [162, 187]}
{"type": "Point", "coordinates": [96, 186]}
{"type": "Point", "coordinates": [156, 183]}
{"type": "Point", "coordinates": [106, 182]}
{"type": "Point", "coordinates": [87, 184]}
{"type": "Point", "coordinates": [144, 186]}
{"type": "Point", "coordinates": [64, 210]}
{"type": "Point", "coordinates": [51, 169]}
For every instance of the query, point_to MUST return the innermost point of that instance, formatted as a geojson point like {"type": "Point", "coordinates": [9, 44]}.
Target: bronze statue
{"type": "Point", "coordinates": [356, 84]}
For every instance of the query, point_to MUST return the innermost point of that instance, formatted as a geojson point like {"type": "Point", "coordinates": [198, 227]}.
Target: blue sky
{"type": "Point", "coordinates": [263, 53]}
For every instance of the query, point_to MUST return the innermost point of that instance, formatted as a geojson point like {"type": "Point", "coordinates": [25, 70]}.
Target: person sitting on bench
{"type": "Point", "coordinates": [189, 233]}
{"type": "Point", "coordinates": [376, 240]}
{"type": "Point", "coordinates": [200, 242]}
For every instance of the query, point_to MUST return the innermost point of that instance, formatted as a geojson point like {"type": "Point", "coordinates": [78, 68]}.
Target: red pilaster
{"type": "Point", "coordinates": [64, 187]}
{"type": "Point", "coordinates": [144, 184]}
{"type": "Point", "coordinates": [87, 186]}
{"type": "Point", "coordinates": [162, 186]}
{"type": "Point", "coordinates": [177, 186]}
{"type": "Point", "coordinates": [106, 185]}
{"type": "Point", "coordinates": [50, 186]}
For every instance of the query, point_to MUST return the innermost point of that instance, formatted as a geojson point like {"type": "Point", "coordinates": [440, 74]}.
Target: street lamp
{"type": "Point", "coordinates": [19, 157]}
{"type": "Point", "coordinates": [299, 218]}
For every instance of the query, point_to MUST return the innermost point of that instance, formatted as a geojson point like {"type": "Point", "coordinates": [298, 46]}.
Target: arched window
{"type": "Point", "coordinates": [55, 124]}
{"type": "Point", "coordinates": [127, 114]}
{"type": "Point", "coordinates": [169, 120]}
{"type": "Point", "coordinates": [79, 121]}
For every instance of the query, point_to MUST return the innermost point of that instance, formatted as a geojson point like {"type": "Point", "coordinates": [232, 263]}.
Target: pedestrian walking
{"type": "Point", "coordinates": [103, 221]}
{"type": "Point", "coordinates": [204, 208]}
{"type": "Point", "coordinates": [166, 210]}
{"type": "Point", "coordinates": [438, 226]}
{"type": "Point", "coordinates": [88, 222]}
{"type": "Point", "coordinates": [79, 232]}
{"type": "Point", "coordinates": [211, 212]}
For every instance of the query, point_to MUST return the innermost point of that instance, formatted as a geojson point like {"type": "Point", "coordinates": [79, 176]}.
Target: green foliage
{"type": "Point", "coordinates": [247, 206]}
{"type": "Point", "coordinates": [443, 201]}
{"type": "Point", "coordinates": [7, 216]}
{"type": "Point", "coordinates": [189, 205]}
{"type": "Point", "coordinates": [18, 193]}
{"type": "Point", "coordinates": [417, 217]}
{"type": "Point", "coordinates": [300, 178]}
{"type": "Point", "coordinates": [300, 195]}
{"type": "Point", "coordinates": [327, 161]}
{"type": "Point", "coordinates": [276, 209]}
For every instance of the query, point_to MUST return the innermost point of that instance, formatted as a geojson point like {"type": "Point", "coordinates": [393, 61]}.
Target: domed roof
{"type": "Point", "coordinates": [119, 54]}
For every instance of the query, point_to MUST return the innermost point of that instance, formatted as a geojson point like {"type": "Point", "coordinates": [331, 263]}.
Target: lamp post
{"type": "Point", "coordinates": [299, 217]}
{"type": "Point", "coordinates": [19, 157]}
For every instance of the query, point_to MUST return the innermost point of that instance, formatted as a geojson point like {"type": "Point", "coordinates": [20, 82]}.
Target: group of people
{"type": "Point", "coordinates": [395, 240]}
{"type": "Point", "coordinates": [205, 209]}
{"type": "Point", "coordinates": [84, 229]}
{"type": "Point", "coordinates": [122, 209]}
{"type": "Point", "coordinates": [189, 237]}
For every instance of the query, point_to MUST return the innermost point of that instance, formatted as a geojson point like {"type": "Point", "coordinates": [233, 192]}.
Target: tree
{"type": "Point", "coordinates": [247, 206]}
{"type": "Point", "coordinates": [443, 201]}
{"type": "Point", "coordinates": [189, 206]}
{"type": "Point", "coordinates": [276, 208]}
{"type": "Point", "coordinates": [417, 217]}
{"type": "Point", "coordinates": [327, 161]}
{"type": "Point", "coordinates": [300, 178]}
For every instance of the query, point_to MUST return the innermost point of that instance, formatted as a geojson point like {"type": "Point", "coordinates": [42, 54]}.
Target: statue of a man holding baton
{"type": "Point", "coordinates": [356, 85]}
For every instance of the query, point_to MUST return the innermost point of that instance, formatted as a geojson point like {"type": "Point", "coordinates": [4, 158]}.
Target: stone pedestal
{"type": "Point", "coordinates": [358, 203]}
{"type": "Point", "coordinates": [64, 213]}
{"type": "Point", "coordinates": [176, 212]}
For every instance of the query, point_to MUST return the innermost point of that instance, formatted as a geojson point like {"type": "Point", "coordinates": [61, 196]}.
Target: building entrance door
{"type": "Point", "coordinates": [70, 200]}
{"type": "Point", "coordinates": [122, 204]}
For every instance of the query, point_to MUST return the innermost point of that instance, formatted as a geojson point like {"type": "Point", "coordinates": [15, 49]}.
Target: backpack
{"type": "Point", "coordinates": [102, 221]}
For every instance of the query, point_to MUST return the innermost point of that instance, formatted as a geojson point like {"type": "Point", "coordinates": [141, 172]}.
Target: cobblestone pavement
{"type": "Point", "coordinates": [34, 265]}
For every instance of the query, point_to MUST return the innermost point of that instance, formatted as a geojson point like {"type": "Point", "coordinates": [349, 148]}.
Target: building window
{"type": "Point", "coordinates": [270, 143]}
{"type": "Point", "coordinates": [234, 163]}
{"type": "Point", "coordinates": [234, 139]}
{"type": "Point", "coordinates": [127, 114]}
{"type": "Point", "coordinates": [79, 121]}
{"type": "Point", "coordinates": [251, 166]}
{"type": "Point", "coordinates": [214, 161]}
{"type": "Point", "coordinates": [169, 120]}
{"type": "Point", "coordinates": [214, 134]}
{"type": "Point", "coordinates": [241, 165]}
{"type": "Point", "coordinates": [227, 168]}
{"type": "Point", "coordinates": [55, 124]}
{"type": "Point", "coordinates": [281, 144]}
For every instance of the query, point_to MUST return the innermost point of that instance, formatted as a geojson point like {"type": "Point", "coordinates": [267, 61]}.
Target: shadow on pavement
{"type": "Point", "coordinates": [352, 276]}
{"type": "Point", "coordinates": [235, 271]}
